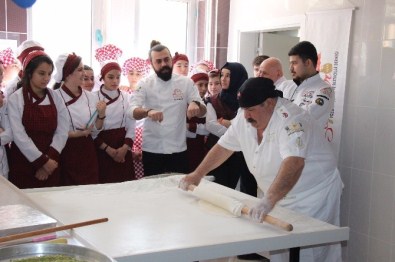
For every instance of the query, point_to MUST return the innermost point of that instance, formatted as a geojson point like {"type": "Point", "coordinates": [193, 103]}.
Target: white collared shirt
{"type": "Point", "coordinates": [290, 132]}
{"type": "Point", "coordinates": [171, 98]}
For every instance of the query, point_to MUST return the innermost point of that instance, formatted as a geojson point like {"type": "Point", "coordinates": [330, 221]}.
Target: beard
{"type": "Point", "coordinates": [164, 73]}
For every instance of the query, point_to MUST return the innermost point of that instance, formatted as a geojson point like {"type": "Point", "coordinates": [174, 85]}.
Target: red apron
{"type": "Point", "coordinates": [40, 122]}
{"type": "Point", "coordinates": [78, 158]}
{"type": "Point", "coordinates": [109, 170]}
{"type": "Point", "coordinates": [79, 162]}
{"type": "Point", "coordinates": [196, 149]}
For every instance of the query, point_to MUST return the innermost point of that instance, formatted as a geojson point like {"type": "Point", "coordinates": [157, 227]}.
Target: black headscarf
{"type": "Point", "coordinates": [238, 74]}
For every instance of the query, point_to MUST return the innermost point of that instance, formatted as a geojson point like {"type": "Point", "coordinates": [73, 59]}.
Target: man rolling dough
{"type": "Point", "coordinates": [284, 149]}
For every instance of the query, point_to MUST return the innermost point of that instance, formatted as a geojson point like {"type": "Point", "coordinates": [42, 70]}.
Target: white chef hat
{"type": "Point", "coordinates": [26, 47]}
{"type": "Point", "coordinates": [65, 65]}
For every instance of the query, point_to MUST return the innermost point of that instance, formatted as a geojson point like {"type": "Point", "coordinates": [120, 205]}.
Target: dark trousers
{"type": "Point", "coordinates": [248, 183]}
{"type": "Point", "coordinates": [228, 173]}
{"type": "Point", "coordinates": [155, 164]}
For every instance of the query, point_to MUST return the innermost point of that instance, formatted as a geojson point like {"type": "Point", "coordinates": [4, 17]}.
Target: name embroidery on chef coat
{"type": "Point", "coordinates": [177, 94]}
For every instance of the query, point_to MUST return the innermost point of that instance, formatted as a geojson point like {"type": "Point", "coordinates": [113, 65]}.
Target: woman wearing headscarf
{"type": "Point", "coordinates": [86, 115]}
{"type": "Point", "coordinates": [40, 125]}
{"type": "Point", "coordinates": [222, 108]}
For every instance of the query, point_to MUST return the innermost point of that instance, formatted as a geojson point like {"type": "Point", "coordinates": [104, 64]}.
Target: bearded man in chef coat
{"type": "Point", "coordinates": [165, 100]}
{"type": "Point", "coordinates": [284, 150]}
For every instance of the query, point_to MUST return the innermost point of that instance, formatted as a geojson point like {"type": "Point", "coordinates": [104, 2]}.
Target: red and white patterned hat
{"type": "Point", "coordinates": [136, 64]}
{"type": "Point", "coordinates": [107, 53]}
{"type": "Point", "coordinates": [7, 57]}
{"type": "Point", "coordinates": [207, 63]}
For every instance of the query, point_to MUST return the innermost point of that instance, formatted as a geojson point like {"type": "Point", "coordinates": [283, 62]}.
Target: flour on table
{"type": "Point", "coordinates": [213, 209]}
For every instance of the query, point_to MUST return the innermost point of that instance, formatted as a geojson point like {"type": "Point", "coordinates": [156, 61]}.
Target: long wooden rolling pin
{"type": "Point", "coordinates": [245, 210]}
{"type": "Point", "coordinates": [51, 230]}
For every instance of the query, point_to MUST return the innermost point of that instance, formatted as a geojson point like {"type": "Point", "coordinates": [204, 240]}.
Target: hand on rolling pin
{"type": "Point", "coordinates": [190, 179]}
{"type": "Point", "coordinates": [260, 210]}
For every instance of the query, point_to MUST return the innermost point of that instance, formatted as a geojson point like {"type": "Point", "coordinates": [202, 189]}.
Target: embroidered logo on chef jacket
{"type": "Point", "coordinates": [299, 143]}
{"type": "Point", "coordinates": [308, 94]}
{"type": "Point", "coordinates": [293, 128]}
{"type": "Point", "coordinates": [319, 101]}
{"type": "Point", "coordinates": [283, 112]}
{"type": "Point", "coordinates": [326, 91]}
{"type": "Point", "coordinates": [177, 94]}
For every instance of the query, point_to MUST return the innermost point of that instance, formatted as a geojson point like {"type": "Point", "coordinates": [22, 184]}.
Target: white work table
{"type": "Point", "coordinates": [153, 220]}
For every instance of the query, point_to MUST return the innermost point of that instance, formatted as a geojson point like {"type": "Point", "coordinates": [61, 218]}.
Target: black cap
{"type": "Point", "coordinates": [256, 90]}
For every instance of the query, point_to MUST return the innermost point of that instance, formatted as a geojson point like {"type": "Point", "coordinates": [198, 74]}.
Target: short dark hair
{"type": "Point", "coordinates": [259, 59]}
{"type": "Point", "coordinates": [305, 50]}
{"type": "Point", "coordinates": [86, 67]}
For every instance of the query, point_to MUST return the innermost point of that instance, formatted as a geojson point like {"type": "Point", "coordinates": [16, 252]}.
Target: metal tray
{"type": "Point", "coordinates": [32, 250]}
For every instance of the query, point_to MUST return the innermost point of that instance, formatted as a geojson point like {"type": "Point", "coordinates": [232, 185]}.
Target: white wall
{"type": "Point", "coordinates": [368, 132]}
{"type": "Point", "coordinates": [61, 27]}
{"type": "Point", "coordinates": [278, 46]}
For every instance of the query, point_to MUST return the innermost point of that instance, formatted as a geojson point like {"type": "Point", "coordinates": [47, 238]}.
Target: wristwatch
{"type": "Point", "coordinates": [196, 102]}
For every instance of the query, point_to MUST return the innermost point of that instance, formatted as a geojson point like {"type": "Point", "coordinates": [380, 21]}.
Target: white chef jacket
{"type": "Point", "coordinates": [5, 138]}
{"type": "Point", "coordinates": [280, 81]}
{"type": "Point", "coordinates": [15, 108]}
{"type": "Point", "coordinates": [10, 87]}
{"type": "Point", "coordinates": [81, 110]}
{"type": "Point", "coordinates": [212, 124]}
{"type": "Point", "coordinates": [117, 112]}
{"type": "Point", "coordinates": [172, 98]}
{"type": "Point", "coordinates": [291, 132]}
{"type": "Point", "coordinates": [314, 95]}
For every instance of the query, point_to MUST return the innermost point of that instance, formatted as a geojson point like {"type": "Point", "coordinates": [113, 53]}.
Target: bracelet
{"type": "Point", "coordinates": [105, 148]}
{"type": "Point", "coordinates": [101, 118]}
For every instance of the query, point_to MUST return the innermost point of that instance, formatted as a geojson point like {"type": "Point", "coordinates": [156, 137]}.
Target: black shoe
{"type": "Point", "coordinates": [253, 256]}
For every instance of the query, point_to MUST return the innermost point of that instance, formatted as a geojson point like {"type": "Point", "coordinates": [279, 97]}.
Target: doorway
{"type": "Point", "coordinates": [270, 43]}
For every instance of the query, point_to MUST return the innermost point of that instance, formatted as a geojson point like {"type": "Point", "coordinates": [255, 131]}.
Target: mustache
{"type": "Point", "coordinates": [165, 68]}
{"type": "Point", "coordinates": [250, 120]}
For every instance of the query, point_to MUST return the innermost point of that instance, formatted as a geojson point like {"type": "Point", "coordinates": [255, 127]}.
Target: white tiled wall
{"type": "Point", "coordinates": [368, 138]}
{"type": "Point", "coordinates": [367, 153]}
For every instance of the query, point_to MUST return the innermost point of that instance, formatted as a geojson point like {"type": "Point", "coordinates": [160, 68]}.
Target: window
{"type": "Point", "coordinates": [212, 32]}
